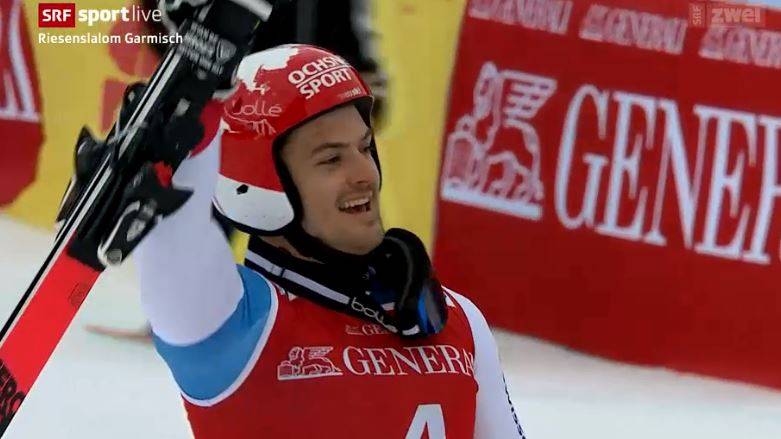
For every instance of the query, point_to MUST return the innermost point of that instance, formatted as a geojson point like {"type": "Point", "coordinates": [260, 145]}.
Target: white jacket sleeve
{"type": "Point", "coordinates": [495, 416]}
{"type": "Point", "coordinates": [189, 282]}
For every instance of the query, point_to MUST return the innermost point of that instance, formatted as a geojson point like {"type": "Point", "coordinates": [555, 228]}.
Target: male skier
{"type": "Point", "coordinates": [333, 327]}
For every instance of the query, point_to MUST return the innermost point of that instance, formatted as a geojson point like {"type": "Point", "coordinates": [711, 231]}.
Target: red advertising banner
{"type": "Point", "coordinates": [610, 179]}
{"type": "Point", "coordinates": [21, 134]}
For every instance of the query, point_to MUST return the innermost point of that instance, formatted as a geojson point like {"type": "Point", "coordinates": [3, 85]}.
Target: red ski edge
{"type": "Point", "coordinates": [42, 325]}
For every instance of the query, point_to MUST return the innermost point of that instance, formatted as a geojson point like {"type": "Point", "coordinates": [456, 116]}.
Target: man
{"type": "Point", "coordinates": [333, 327]}
{"type": "Point", "coordinates": [342, 27]}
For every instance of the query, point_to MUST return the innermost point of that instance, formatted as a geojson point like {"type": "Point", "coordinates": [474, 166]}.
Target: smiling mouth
{"type": "Point", "coordinates": [359, 205]}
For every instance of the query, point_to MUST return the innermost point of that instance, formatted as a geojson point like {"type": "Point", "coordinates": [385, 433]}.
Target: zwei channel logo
{"type": "Point", "coordinates": [67, 15]}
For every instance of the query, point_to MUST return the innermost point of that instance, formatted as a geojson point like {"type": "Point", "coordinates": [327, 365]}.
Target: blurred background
{"type": "Point", "coordinates": [600, 177]}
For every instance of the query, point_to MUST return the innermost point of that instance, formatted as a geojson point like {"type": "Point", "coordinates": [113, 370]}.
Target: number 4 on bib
{"type": "Point", "coordinates": [428, 417]}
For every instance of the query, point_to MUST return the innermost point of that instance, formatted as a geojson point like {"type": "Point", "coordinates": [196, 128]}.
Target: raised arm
{"type": "Point", "coordinates": [208, 315]}
{"type": "Point", "coordinates": [189, 281]}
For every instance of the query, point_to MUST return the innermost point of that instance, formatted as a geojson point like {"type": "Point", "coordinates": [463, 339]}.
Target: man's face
{"type": "Point", "coordinates": [330, 162]}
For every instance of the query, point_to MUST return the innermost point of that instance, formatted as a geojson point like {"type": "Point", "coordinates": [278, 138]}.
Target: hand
{"type": "Point", "coordinates": [148, 196]}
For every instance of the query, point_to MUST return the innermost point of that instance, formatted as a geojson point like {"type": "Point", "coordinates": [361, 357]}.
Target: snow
{"type": "Point", "coordinates": [97, 387]}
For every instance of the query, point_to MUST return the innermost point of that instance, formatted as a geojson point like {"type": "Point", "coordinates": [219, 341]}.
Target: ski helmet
{"type": "Point", "coordinates": [277, 90]}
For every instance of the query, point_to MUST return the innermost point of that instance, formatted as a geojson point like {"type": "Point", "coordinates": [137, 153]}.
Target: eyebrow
{"type": "Point", "coordinates": [330, 145]}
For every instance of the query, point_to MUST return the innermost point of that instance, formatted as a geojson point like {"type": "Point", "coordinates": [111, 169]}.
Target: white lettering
{"type": "Point", "coordinates": [260, 108]}
{"type": "Point", "coordinates": [411, 362]}
{"type": "Point", "coordinates": [687, 189]}
{"type": "Point", "coordinates": [429, 359]}
{"type": "Point", "coordinates": [428, 419]}
{"type": "Point", "coordinates": [545, 15]}
{"type": "Point", "coordinates": [723, 181]}
{"type": "Point", "coordinates": [595, 162]}
{"type": "Point", "coordinates": [378, 357]}
{"type": "Point", "coordinates": [469, 361]}
{"type": "Point", "coordinates": [747, 236]}
{"type": "Point", "coordinates": [626, 27]}
{"type": "Point", "coordinates": [386, 361]}
{"type": "Point", "coordinates": [371, 313]}
{"type": "Point", "coordinates": [742, 45]}
{"type": "Point", "coordinates": [767, 194]}
{"type": "Point", "coordinates": [296, 76]}
{"type": "Point", "coordinates": [310, 84]}
{"type": "Point", "coordinates": [452, 356]}
{"type": "Point", "coordinates": [349, 362]}
{"type": "Point", "coordinates": [629, 165]}
{"type": "Point", "coordinates": [310, 69]}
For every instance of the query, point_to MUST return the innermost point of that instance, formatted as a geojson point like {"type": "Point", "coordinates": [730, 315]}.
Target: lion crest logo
{"type": "Point", "coordinates": [493, 154]}
{"type": "Point", "coordinates": [307, 362]}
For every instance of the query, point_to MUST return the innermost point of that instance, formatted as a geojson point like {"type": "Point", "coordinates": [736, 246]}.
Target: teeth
{"type": "Point", "coordinates": [354, 203]}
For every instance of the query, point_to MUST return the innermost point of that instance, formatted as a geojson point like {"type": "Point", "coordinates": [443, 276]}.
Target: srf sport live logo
{"type": "Point", "coordinates": [67, 15]}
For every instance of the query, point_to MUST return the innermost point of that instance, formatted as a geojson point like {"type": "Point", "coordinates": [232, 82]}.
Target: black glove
{"type": "Point", "coordinates": [148, 195]}
{"type": "Point", "coordinates": [87, 157]}
{"type": "Point", "coordinates": [149, 198]}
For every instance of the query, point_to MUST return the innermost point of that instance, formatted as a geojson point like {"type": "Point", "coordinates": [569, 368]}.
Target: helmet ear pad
{"type": "Point", "coordinates": [236, 199]}
{"type": "Point", "coordinates": [286, 179]}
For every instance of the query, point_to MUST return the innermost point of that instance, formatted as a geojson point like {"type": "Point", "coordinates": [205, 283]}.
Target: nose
{"type": "Point", "coordinates": [362, 170]}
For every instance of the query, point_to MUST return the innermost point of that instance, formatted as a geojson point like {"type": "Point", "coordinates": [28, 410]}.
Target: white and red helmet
{"type": "Point", "coordinates": [278, 89]}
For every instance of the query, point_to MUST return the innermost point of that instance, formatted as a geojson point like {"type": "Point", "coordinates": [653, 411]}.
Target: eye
{"type": "Point", "coordinates": [366, 149]}
{"type": "Point", "coordinates": [329, 160]}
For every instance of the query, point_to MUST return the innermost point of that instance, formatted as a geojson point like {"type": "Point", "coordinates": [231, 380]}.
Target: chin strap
{"type": "Point", "coordinates": [337, 286]}
{"type": "Point", "coordinates": [392, 286]}
{"type": "Point", "coordinates": [315, 248]}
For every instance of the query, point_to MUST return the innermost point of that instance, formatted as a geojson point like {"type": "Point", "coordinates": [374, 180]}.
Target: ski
{"type": "Point", "coordinates": [213, 42]}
